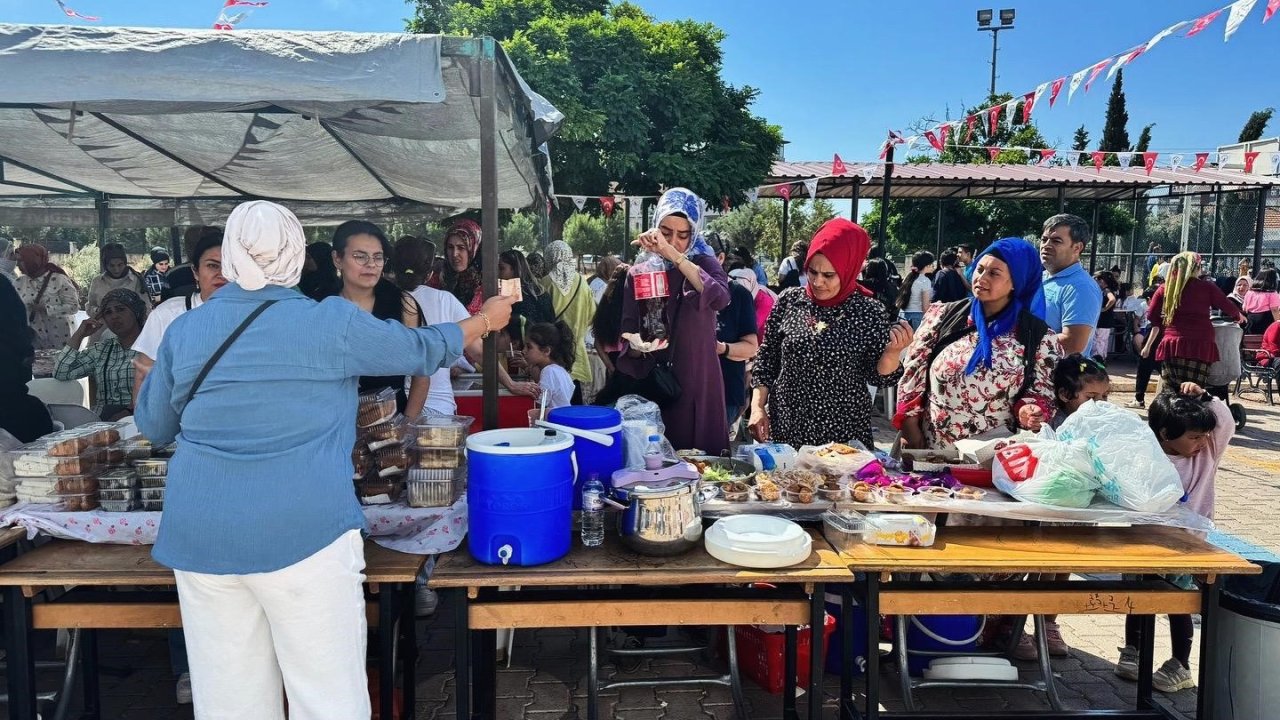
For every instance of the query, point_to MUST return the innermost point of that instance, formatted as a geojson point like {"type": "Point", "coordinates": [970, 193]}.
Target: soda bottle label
{"type": "Point", "coordinates": [591, 502]}
{"type": "Point", "coordinates": [650, 285]}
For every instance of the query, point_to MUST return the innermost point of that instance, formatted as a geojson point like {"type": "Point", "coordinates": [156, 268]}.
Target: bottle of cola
{"type": "Point", "coordinates": [649, 281]}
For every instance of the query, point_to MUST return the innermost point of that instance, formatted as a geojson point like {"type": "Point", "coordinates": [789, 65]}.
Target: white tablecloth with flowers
{"type": "Point", "coordinates": [420, 531]}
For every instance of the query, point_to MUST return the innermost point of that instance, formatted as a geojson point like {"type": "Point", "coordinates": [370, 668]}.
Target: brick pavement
{"type": "Point", "coordinates": [547, 678]}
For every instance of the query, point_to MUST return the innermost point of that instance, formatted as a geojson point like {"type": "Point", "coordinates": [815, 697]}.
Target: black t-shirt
{"type": "Point", "coordinates": [949, 286]}
{"type": "Point", "coordinates": [737, 319]}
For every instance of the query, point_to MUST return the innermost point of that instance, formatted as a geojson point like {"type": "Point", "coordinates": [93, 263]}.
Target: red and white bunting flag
{"type": "Point", "coordinates": [1175, 161]}
{"type": "Point", "coordinates": [1125, 59]}
{"type": "Point", "coordinates": [944, 133]}
{"type": "Point", "coordinates": [867, 172]}
{"type": "Point", "coordinates": [993, 117]}
{"type": "Point", "coordinates": [785, 191]}
{"type": "Point", "coordinates": [1095, 72]}
{"type": "Point", "coordinates": [73, 14]}
{"type": "Point", "coordinates": [1125, 158]}
{"type": "Point", "coordinates": [970, 121]}
{"type": "Point", "coordinates": [1202, 23]}
{"type": "Point", "coordinates": [1272, 7]}
{"type": "Point", "coordinates": [1223, 159]}
{"type": "Point", "coordinates": [1011, 111]}
{"type": "Point", "coordinates": [933, 140]}
{"type": "Point", "coordinates": [1275, 163]}
{"type": "Point", "coordinates": [911, 142]}
{"type": "Point", "coordinates": [1073, 158]}
{"type": "Point", "coordinates": [1164, 34]}
{"type": "Point", "coordinates": [1046, 156]}
{"type": "Point", "coordinates": [811, 187]}
{"type": "Point", "coordinates": [606, 203]}
{"type": "Point", "coordinates": [1028, 102]}
{"type": "Point", "coordinates": [1240, 10]}
{"type": "Point", "coordinates": [884, 149]}
{"type": "Point", "coordinates": [1076, 79]}
{"type": "Point", "coordinates": [1249, 157]}
{"type": "Point", "coordinates": [243, 3]}
{"type": "Point", "coordinates": [753, 194]}
{"type": "Point", "coordinates": [1055, 89]}
{"type": "Point", "coordinates": [838, 166]}
{"type": "Point", "coordinates": [579, 201]}
{"type": "Point", "coordinates": [896, 138]}
{"type": "Point", "coordinates": [993, 153]}
{"type": "Point", "coordinates": [1098, 158]}
{"type": "Point", "coordinates": [1039, 93]}
{"type": "Point", "coordinates": [1149, 160]}
{"type": "Point", "coordinates": [1201, 159]}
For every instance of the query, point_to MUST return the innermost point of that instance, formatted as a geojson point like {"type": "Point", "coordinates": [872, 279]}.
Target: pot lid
{"type": "Point", "coordinates": [664, 487]}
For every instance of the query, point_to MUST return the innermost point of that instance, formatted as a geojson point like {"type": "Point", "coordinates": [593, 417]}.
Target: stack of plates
{"type": "Point", "coordinates": [758, 541]}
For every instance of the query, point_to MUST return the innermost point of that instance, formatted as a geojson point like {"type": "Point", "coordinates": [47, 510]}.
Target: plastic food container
{"type": "Point", "coordinates": [118, 505]}
{"type": "Point", "coordinates": [376, 408]}
{"type": "Point", "coordinates": [864, 492]}
{"type": "Point", "coordinates": [933, 494]}
{"type": "Point", "coordinates": [833, 493]}
{"type": "Point", "coordinates": [801, 495]}
{"type": "Point", "coordinates": [843, 529]}
{"type": "Point", "coordinates": [392, 460]}
{"type": "Point", "coordinates": [378, 492]}
{"type": "Point", "coordinates": [930, 460]}
{"type": "Point", "coordinates": [117, 494]}
{"type": "Point", "coordinates": [431, 488]}
{"type": "Point", "coordinates": [136, 448]}
{"type": "Point", "coordinates": [75, 485]}
{"type": "Point", "coordinates": [735, 492]}
{"type": "Point", "coordinates": [118, 479]}
{"type": "Point", "coordinates": [152, 505]}
{"type": "Point", "coordinates": [966, 492]}
{"type": "Point", "coordinates": [384, 434]}
{"type": "Point", "coordinates": [439, 458]}
{"type": "Point", "coordinates": [76, 503]}
{"type": "Point", "coordinates": [151, 493]}
{"type": "Point", "coordinates": [158, 481]}
{"type": "Point", "coordinates": [34, 460]}
{"type": "Point", "coordinates": [898, 529]}
{"type": "Point", "coordinates": [164, 451]}
{"type": "Point", "coordinates": [151, 468]}
{"type": "Point", "coordinates": [440, 431]}
{"type": "Point", "coordinates": [899, 495]}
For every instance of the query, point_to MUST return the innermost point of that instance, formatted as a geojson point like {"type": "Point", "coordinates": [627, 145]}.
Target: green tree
{"type": "Point", "coordinates": [1144, 139]}
{"type": "Point", "coordinates": [1080, 141]}
{"type": "Point", "coordinates": [1256, 125]}
{"type": "Point", "coordinates": [591, 234]}
{"type": "Point", "coordinates": [758, 225]}
{"type": "Point", "coordinates": [1115, 128]}
{"type": "Point", "coordinates": [520, 233]}
{"type": "Point", "coordinates": [644, 101]}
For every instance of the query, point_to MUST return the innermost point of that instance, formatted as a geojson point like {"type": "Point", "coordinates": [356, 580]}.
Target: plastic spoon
{"type": "Point", "coordinates": [546, 395]}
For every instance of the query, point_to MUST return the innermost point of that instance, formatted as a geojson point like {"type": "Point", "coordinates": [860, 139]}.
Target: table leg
{"type": "Point", "coordinates": [1208, 649]}
{"type": "Point", "coordinates": [817, 631]}
{"type": "Point", "coordinates": [408, 649]}
{"type": "Point", "coordinates": [789, 653]}
{"type": "Point", "coordinates": [484, 673]}
{"type": "Point", "coordinates": [89, 671]}
{"type": "Point", "coordinates": [871, 605]}
{"type": "Point", "coordinates": [593, 673]}
{"type": "Point", "coordinates": [848, 710]}
{"type": "Point", "coordinates": [386, 650]}
{"type": "Point", "coordinates": [1146, 659]}
{"type": "Point", "coordinates": [21, 669]}
{"type": "Point", "coordinates": [461, 656]}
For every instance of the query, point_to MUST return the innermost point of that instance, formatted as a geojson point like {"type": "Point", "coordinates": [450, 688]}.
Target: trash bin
{"type": "Point", "coordinates": [1248, 646]}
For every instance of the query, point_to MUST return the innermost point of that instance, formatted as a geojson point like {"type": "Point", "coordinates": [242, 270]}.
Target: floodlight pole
{"type": "Point", "coordinates": [995, 43]}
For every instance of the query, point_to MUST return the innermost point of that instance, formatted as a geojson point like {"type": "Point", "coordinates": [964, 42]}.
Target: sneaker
{"type": "Point", "coordinates": [1053, 638]}
{"type": "Point", "coordinates": [1136, 404]}
{"type": "Point", "coordinates": [1026, 649]}
{"type": "Point", "coordinates": [425, 601]}
{"type": "Point", "coordinates": [1172, 677]}
{"type": "Point", "coordinates": [630, 663]}
{"type": "Point", "coordinates": [1127, 665]}
{"type": "Point", "coordinates": [183, 689]}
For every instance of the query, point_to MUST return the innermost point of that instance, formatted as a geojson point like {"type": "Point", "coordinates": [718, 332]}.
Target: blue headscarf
{"type": "Point", "coordinates": [680, 201]}
{"type": "Point", "coordinates": [1028, 294]}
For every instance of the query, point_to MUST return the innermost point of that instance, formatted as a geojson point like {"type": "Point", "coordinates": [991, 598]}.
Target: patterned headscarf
{"type": "Point", "coordinates": [464, 284]}
{"type": "Point", "coordinates": [129, 299]}
{"type": "Point", "coordinates": [263, 245]}
{"type": "Point", "coordinates": [747, 279]}
{"type": "Point", "coordinates": [1027, 275]}
{"type": "Point", "coordinates": [682, 202]}
{"type": "Point", "coordinates": [564, 267]}
{"type": "Point", "coordinates": [1184, 268]}
{"type": "Point", "coordinates": [470, 231]}
{"type": "Point", "coordinates": [38, 255]}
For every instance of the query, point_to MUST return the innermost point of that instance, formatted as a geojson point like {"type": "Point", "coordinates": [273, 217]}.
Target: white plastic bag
{"type": "Point", "coordinates": [641, 418]}
{"type": "Point", "coordinates": [1132, 470]}
{"type": "Point", "coordinates": [1047, 472]}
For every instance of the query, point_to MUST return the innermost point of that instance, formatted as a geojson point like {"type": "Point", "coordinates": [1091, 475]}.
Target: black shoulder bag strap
{"type": "Point", "coordinates": [217, 355]}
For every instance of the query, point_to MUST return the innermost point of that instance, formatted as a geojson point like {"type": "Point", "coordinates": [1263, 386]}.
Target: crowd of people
{"type": "Point", "coordinates": [977, 342]}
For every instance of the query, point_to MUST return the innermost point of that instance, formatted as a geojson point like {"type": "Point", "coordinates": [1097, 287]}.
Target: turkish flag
{"type": "Point", "coordinates": [1272, 7]}
{"type": "Point", "coordinates": [933, 140]}
{"type": "Point", "coordinates": [1098, 157]}
{"type": "Point", "coordinates": [785, 192]}
{"type": "Point", "coordinates": [1046, 156]}
{"type": "Point", "coordinates": [837, 166]}
{"type": "Point", "coordinates": [1028, 102]}
{"type": "Point", "coordinates": [944, 132]}
{"type": "Point", "coordinates": [973, 119]}
{"type": "Point", "coordinates": [1149, 161]}
{"type": "Point", "coordinates": [1055, 89]}
{"type": "Point", "coordinates": [993, 152]}
{"type": "Point", "coordinates": [993, 115]}
{"type": "Point", "coordinates": [1249, 157]}
{"type": "Point", "coordinates": [1203, 157]}
{"type": "Point", "coordinates": [1203, 23]}
{"type": "Point", "coordinates": [606, 202]}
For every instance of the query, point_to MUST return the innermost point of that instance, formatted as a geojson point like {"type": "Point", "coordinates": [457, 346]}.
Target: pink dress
{"type": "Point", "coordinates": [764, 305]}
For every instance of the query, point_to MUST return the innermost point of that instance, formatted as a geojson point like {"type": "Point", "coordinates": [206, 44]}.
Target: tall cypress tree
{"type": "Point", "coordinates": [1144, 139]}
{"type": "Point", "coordinates": [1081, 140]}
{"type": "Point", "coordinates": [1115, 133]}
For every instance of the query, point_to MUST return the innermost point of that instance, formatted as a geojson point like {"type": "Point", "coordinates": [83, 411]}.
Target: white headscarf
{"type": "Point", "coordinates": [563, 266]}
{"type": "Point", "coordinates": [263, 244]}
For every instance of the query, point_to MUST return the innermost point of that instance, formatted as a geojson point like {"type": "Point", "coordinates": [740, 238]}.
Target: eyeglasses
{"type": "Point", "coordinates": [366, 259]}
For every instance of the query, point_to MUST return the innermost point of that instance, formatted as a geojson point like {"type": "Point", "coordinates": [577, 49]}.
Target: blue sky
{"type": "Point", "coordinates": [836, 74]}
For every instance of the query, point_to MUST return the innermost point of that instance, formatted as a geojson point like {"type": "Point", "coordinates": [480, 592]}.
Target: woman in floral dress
{"type": "Point", "coordinates": [823, 344]}
{"type": "Point", "coordinates": [50, 296]}
{"type": "Point", "coordinates": [967, 382]}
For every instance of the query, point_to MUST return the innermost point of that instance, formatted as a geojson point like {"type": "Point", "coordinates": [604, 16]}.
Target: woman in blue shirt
{"type": "Point", "coordinates": [261, 525]}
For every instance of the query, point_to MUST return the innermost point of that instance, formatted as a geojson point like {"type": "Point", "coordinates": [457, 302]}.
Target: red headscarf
{"type": "Point", "coordinates": [30, 254]}
{"type": "Point", "coordinates": [845, 245]}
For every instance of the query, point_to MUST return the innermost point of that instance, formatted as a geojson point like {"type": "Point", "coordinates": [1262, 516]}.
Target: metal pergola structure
{"type": "Point", "coordinates": [1055, 183]}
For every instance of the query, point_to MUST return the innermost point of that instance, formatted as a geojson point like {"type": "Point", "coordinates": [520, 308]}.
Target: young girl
{"type": "Point", "coordinates": [1077, 380]}
{"type": "Point", "coordinates": [1194, 430]}
{"type": "Point", "coordinates": [916, 292]}
{"type": "Point", "coordinates": [550, 350]}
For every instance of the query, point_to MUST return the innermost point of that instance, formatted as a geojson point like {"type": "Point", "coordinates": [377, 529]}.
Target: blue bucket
{"type": "Point", "coordinates": [593, 458]}
{"type": "Point", "coordinates": [958, 633]}
{"type": "Point", "coordinates": [519, 496]}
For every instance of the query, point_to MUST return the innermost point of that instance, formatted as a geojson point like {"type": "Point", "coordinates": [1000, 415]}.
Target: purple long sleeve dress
{"type": "Point", "coordinates": [697, 418]}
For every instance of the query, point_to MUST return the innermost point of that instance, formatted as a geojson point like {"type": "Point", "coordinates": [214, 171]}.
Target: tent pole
{"type": "Point", "coordinates": [103, 205]}
{"type": "Point", "coordinates": [1217, 232]}
{"type": "Point", "coordinates": [1133, 240]}
{"type": "Point", "coordinates": [484, 81]}
{"type": "Point", "coordinates": [884, 199]}
{"type": "Point", "coordinates": [1062, 200]}
{"type": "Point", "coordinates": [786, 224]}
{"type": "Point", "coordinates": [175, 245]}
{"type": "Point", "coordinates": [854, 193]}
{"type": "Point", "coordinates": [938, 250]}
{"type": "Point", "coordinates": [1093, 247]}
{"type": "Point", "coordinates": [1260, 228]}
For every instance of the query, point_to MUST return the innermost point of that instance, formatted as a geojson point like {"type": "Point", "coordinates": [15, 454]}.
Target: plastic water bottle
{"type": "Point", "coordinates": [593, 512]}
{"type": "Point", "coordinates": [654, 457]}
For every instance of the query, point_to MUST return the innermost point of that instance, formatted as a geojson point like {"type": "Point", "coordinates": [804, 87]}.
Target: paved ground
{"type": "Point", "coordinates": [547, 677]}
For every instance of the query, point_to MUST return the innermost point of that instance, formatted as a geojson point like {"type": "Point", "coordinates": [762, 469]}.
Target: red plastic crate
{"type": "Point", "coordinates": [761, 655]}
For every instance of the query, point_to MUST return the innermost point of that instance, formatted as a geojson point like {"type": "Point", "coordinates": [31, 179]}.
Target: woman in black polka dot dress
{"type": "Point", "coordinates": [824, 344]}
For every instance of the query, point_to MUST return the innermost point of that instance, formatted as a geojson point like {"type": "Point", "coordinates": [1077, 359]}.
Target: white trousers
{"type": "Point", "coordinates": [303, 626]}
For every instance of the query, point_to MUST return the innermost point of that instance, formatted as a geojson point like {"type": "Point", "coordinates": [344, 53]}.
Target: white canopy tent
{"type": "Point", "coordinates": [137, 127]}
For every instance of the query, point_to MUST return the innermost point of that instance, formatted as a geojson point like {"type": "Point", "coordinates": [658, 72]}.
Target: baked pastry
{"type": "Point", "coordinates": [438, 458]}
{"type": "Point", "coordinates": [376, 408]}
{"type": "Point", "coordinates": [46, 466]}
{"type": "Point", "coordinates": [836, 450]}
{"type": "Point", "coordinates": [76, 485]}
{"type": "Point", "coordinates": [77, 503]}
{"type": "Point", "coordinates": [966, 492]}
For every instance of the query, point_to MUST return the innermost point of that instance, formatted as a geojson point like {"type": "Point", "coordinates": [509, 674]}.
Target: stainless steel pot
{"type": "Point", "coordinates": [660, 518]}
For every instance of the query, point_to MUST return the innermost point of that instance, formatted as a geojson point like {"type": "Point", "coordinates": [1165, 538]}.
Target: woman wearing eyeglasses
{"type": "Point", "coordinates": [360, 252]}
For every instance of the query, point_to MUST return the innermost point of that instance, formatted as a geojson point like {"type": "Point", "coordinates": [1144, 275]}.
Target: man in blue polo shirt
{"type": "Point", "coordinates": [1072, 299]}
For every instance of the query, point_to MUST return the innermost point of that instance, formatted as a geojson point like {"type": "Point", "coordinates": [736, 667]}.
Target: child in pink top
{"type": "Point", "coordinates": [1194, 430]}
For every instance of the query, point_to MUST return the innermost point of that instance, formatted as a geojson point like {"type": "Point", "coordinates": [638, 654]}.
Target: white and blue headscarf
{"type": "Point", "coordinates": [681, 201]}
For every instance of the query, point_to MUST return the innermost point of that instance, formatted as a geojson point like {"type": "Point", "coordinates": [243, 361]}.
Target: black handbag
{"type": "Point", "coordinates": [660, 385]}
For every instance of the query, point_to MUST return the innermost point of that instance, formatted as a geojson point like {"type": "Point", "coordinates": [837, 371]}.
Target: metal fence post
{"type": "Point", "coordinates": [484, 86]}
